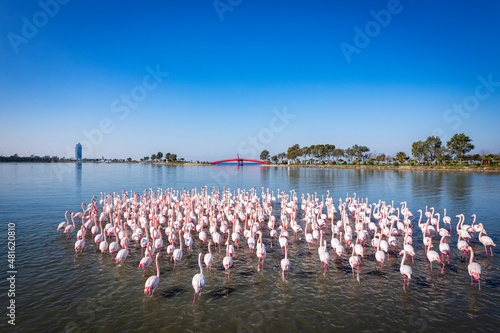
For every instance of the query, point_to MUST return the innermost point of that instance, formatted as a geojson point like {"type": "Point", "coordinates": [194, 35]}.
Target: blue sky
{"type": "Point", "coordinates": [233, 68]}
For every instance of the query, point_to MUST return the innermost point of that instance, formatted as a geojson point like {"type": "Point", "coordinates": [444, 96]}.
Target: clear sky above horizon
{"type": "Point", "coordinates": [245, 76]}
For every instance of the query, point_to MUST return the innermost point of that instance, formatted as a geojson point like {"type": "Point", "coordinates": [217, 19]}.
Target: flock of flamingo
{"type": "Point", "coordinates": [180, 216]}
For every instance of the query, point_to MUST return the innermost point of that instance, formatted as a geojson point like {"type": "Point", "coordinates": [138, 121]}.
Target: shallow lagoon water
{"type": "Point", "coordinates": [58, 291]}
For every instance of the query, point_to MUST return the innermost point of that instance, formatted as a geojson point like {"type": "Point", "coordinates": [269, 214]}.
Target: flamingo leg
{"type": "Point", "coordinates": [194, 299]}
{"type": "Point", "coordinates": [404, 281]}
{"type": "Point", "coordinates": [479, 281]}
{"type": "Point", "coordinates": [485, 250]}
{"type": "Point", "coordinates": [442, 269]}
{"type": "Point", "coordinates": [283, 275]}
{"type": "Point", "coordinates": [491, 252]}
{"type": "Point", "coordinates": [471, 283]}
{"type": "Point", "coordinates": [324, 272]}
{"type": "Point", "coordinates": [412, 260]}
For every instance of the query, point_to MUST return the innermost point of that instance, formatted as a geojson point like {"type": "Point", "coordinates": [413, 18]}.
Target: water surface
{"type": "Point", "coordinates": [59, 291]}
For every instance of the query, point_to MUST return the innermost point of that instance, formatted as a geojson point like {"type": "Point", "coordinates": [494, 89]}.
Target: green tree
{"type": "Point", "coordinates": [380, 158]}
{"type": "Point", "coordinates": [305, 151]}
{"type": "Point", "coordinates": [159, 155]}
{"type": "Point", "coordinates": [153, 157]}
{"type": "Point", "coordinates": [350, 153]}
{"type": "Point", "coordinates": [146, 158]}
{"type": "Point", "coordinates": [281, 156]}
{"type": "Point", "coordinates": [264, 155]}
{"type": "Point", "coordinates": [129, 159]}
{"type": "Point", "coordinates": [459, 145]}
{"type": "Point", "coordinates": [274, 158]}
{"type": "Point", "coordinates": [433, 144]}
{"type": "Point", "coordinates": [293, 152]}
{"type": "Point", "coordinates": [418, 150]}
{"type": "Point", "coordinates": [361, 151]}
{"type": "Point", "coordinates": [329, 149]}
{"type": "Point", "coordinates": [476, 157]}
{"type": "Point", "coordinates": [401, 157]}
{"type": "Point", "coordinates": [319, 151]}
{"type": "Point", "coordinates": [489, 158]}
{"type": "Point", "coordinates": [338, 153]}
{"type": "Point", "coordinates": [442, 155]}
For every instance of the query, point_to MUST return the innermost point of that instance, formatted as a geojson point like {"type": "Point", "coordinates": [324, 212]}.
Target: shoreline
{"type": "Point", "coordinates": [478, 169]}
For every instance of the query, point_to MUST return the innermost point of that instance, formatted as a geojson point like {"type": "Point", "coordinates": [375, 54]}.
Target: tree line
{"type": "Point", "coordinates": [159, 157]}
{"type": "Point", "coordinates": [430, 151]}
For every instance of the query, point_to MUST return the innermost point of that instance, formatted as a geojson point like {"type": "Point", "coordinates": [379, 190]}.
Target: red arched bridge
{"type": "Point", "coordinates": [239, 161]}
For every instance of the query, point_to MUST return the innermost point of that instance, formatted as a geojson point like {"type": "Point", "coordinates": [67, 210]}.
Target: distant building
{"type": "Point", "coordinates": [78, 152]}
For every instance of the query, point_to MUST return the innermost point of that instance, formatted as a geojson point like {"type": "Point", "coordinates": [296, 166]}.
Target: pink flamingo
{"type": "Point", "coordinates": [285, 265]}
{"type": "Point", "coordinates": [153, 281]}
{"type": "Point", "coordinates": [408, 248]}
{"type": "Point", "coordinates": [353, 261]}
{"type": "Point", "coordinates": [405, 270]}
{"type": "Point", "coordinates": [447, 219]}
{"type": "Point", "coordinates": [103, 246]}
{"type": "Point", "coordinates": [80, 243]}
{"type": "Point", "coordinates": [79, 215]}
{"type": "Point", "coordinates": [485, 240]}
{"type": "Point", "coordinates": [198, 280]}
{"type": "Point", "coordinates": [177, 255]}
{"type": "Point", "coordinates": [474, 269]}
{"type": "Point", "coordinates": [261, 252]}
{"type": "Point", "coordinates": [69, 228]}
{"type": "Point", "coordinates": [309, 236]}
{"type": "Point", "coordinates": [379, 255]}
{"type": "Point", "coordinates": [324, 256]}
{"type": "Point", "coordinates": [444, 248]}
{"type": "Point", "coordinates": [227, 262]}
{"type": "Point", "coordinates": [122, 254]}
{"type": "Point", "coordinates": [145, 262]}
{"type": "Point", "coordinates": [433, 256]}
{"type": "Point", "coordinates": [63, 225]}
{"type": "Point", "coordinates": [209, 258]}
